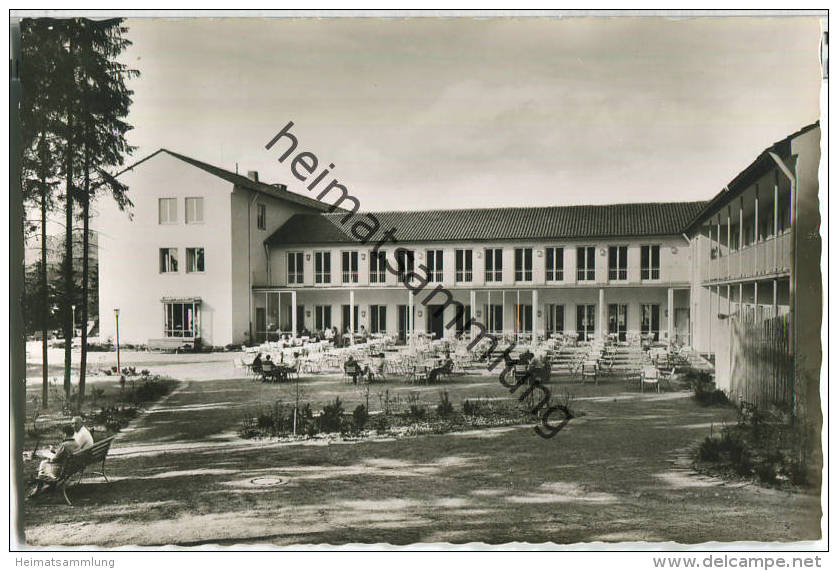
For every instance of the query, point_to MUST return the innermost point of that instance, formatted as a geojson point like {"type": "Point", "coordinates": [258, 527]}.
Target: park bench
{"type": "Point", "coordinates": [76, 465]}
{"type": "Point", "coordinates": [168, 344]}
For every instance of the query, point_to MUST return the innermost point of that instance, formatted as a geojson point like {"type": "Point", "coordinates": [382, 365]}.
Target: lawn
{"type": "Point", "coordinates": [182, 475]}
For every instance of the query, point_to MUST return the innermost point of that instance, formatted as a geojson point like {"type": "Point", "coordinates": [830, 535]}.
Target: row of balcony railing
{"type": "Point", "coordinates": [767, 257]}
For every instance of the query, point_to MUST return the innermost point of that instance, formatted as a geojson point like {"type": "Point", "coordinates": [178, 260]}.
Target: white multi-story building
{"type": "Point", "coordinates": [590, 269]}
{"type": "Point", "coordinates": [208, 254]}
{"type": "Point", "coordinates": [212, 255]}
{"type": "Point", "coordinates": [185, 261]}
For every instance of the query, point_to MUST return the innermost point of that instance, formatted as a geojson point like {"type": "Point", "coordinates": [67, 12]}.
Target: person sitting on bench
{"type": "Point", "coordinates": [50, 468]}
{"type": "Point", "coordinates": [81, 435]}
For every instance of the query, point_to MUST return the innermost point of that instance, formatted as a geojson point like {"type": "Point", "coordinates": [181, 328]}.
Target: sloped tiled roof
{"type": "Point", "coordinates": [749, 174]}
{"type": "Point", "coordinates": [484, 224]}
{"type": "Point", "coordinates": [242, 181]}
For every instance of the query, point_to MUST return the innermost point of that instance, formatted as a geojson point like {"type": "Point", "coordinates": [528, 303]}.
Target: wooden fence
{"type": "Point", "coordinates": [762, 366]}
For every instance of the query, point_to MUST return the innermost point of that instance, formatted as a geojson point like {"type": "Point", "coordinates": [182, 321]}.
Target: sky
{"type": "Point", "coordinates": [463, 112]}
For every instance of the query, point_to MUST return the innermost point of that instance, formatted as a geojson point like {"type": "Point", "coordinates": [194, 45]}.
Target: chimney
{"type": "Point", "coordinates": [253, 175]}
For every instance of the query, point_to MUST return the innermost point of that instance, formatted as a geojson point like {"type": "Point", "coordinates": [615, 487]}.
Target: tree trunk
{"type": "Point", "coordinates": [68, 273]}
{"type": "Point", "coordinates": [45, 292]}
{"type": "Point", "coordinates": [84, 271]}
{"type": "Point", "coordinates": [68, 246]}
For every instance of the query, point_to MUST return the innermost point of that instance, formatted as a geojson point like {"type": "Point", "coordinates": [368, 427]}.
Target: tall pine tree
{"type": "Point", "coordinates": [75, 132]}
{"type": "Point", "coordinates": [105, 101]}
{"type": "Point", "coordinates": [41, 46]}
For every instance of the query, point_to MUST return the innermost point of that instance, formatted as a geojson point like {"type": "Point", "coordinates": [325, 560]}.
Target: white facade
{"type": "Point", "coordinates": [234, 256]}
{"type": "Point", "coordinates": [538, 292]}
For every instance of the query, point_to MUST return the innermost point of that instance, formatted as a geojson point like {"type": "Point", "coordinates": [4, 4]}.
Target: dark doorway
{"type": "Point", "coordinates": [435, 320]}
{"type": "Point", "coordinates": [301, 318]}
{"type": "Point", "coordinates": [617, 318]}
{"type": "Point", "coordinates": [403, 313]}
{"type": "Point", "coordinates": [345, 321]}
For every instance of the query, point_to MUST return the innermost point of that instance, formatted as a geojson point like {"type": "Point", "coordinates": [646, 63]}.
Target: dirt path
{"type": "Point", "coordinates": [183, 476]}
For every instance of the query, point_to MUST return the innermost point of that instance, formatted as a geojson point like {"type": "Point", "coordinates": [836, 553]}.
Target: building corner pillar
{"type": "Point", "coordinates": [670, 315]}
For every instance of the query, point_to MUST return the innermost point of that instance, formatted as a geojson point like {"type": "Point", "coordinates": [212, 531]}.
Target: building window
{"type": "Point", "coordinates": [494, 317]}
{"type": "Point", "coordinates": [181, 319]}
{"type": "Point", "coordinates": [322, 317]}
{"type": "Point", "coordinates": [194, 260]}
{"type": "Point", "coordinates": [378, 267]}
{"type": "Point", "coordinates": [554, 318]}
{"type": "Point", "coordinates": [494, 264]}
{"type": "Point", "coordinates": [554, 264]}
{"type": "Point", "coordinates": [194, 210]}
{"type": "Point", "coordinates": [167, 210]}
{"type": "Point", "coordinates": [295, 267]}
{"type": "Point", "coordinates": [322, 267]}
{"type": "Point", "coordinates": [464, 265]}
{"type": "Point", "coordinates": [464, 318]}
{"type": "Point", "coordinates": [585, 321]}
{"type": "Point", "coordinates": [349, 267]}
{"type": "Point", "coordinates": [345, 311]}
{"type": "Point", "coordinates": [650, 262]}
{"type": "Point", "coordinates": [618, 263]}
{"type": "Point", "coordinates": [524, 317]}
{"type": "Point", "coordinates": [617, 319]}
{"type": "Point", "coordinates": [404, 261]}
{"type": "Point", "coordinates": [378, 319]}
{"type": "Point", "coordinates": [650, 320]}
{"type": "Point", "coordinates": [168, 260]}
{"type": "Point", "coordinates": [585, 263]}
{"type": "Point", "coordinates": [434, 263]}
{"type": "Point", "coordinates": [523, 264]}
{"type": "Point", "coordinates": [261, 217]}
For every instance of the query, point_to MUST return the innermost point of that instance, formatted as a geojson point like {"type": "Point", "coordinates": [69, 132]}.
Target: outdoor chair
{"type": "Point", "coordinates": [665, 377]}
{"type": "Point", "coordinates": [376, 371]}
{"type": "Point", "coordinates": [520, 371]}
{"type": "Point", "coordinates": [268, 372]}
{"type": "Point", "coordinates": [418, 374]}
{"type": "Point", "coordinates": [293, 369]}
{"type": "Point", "coordinates": [589, 370]}
{"type": "Point", "coordinates": [651, 378]}
{"type": "Point", "coordinates": [634, 378]}
{"type": "Point", "coordinates": [606, 364]}
{"type": "Point", "coordinates": [351, 371]}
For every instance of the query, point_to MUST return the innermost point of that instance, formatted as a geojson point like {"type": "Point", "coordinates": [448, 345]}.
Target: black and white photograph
{"type": "Point", "coordinates": [419, 280]}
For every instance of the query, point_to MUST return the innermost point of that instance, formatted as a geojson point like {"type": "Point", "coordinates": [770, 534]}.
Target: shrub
{"type": "Point", "coordinates": [704, 389]}
{"type": "Point", "coordinates": [444, 408]}
{"type": "Point", "coordinates": [737, 450]}
{"type": "Point", "coordinates": [331, 419]}
{"type": "Point", "coordinates": [697, 379]}
{"type": "Point", "coordinates": [471, 408]}
{"type": "Point", "coordinates": [380, 423]}
{"type": "Point", "coordinates": [151, 389]}
{"type": "Point", "coordinates": [714, 397]}
{"type": "Point", "coordinates": [709, 450]}
{"type": "Point", "coordinates": [114, 418]}
{"type": "Point", "coordinates": [730, 449]}
{"type": "Point", "coordinates": [766, 472]}
{"type": "Point", "coordinates": [360, 416]}
{"type": "Point", "coordinates": [96, 394]}
{"type": "Point", "coordinates": [417, 412]}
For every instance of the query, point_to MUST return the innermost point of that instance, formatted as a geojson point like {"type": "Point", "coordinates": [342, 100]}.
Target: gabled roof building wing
{"type": "Point", "coordinates": [241, 181]}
